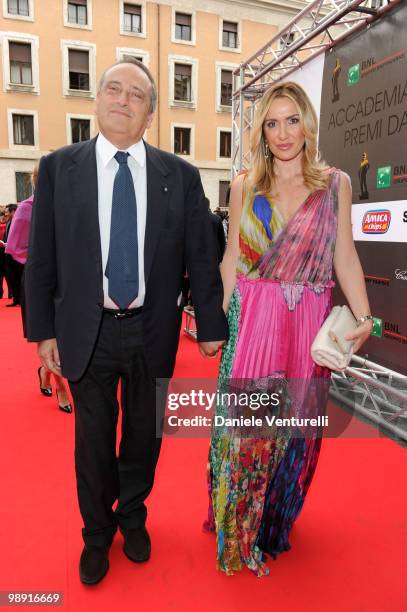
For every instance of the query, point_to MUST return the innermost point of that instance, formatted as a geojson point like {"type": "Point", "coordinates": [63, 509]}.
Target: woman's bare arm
{"type": "Point", "coordinates": [347, 265]}
{"type": "Point", "coordinates": [230, 259]}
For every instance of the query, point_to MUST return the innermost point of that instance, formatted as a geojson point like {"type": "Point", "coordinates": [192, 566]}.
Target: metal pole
{"type": "Point", "coordinates": [373, 382]}
{"type": "Point", "coordinates": [370, 365]}
{"type": "Point", "coordinates": [241, 119]}
{"type": "Point", "coordinates": [370, 415]}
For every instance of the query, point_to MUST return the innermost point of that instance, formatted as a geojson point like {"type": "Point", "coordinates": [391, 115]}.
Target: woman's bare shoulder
{"type": "Point", "coordinates": [344, 177]}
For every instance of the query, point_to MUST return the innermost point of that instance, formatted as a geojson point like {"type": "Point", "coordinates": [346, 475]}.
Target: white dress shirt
{"type": "Point", "coordinates": [107, 167]}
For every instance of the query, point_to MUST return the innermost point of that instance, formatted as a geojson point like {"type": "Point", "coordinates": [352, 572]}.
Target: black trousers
{"type": "Point", "coordinates": [14, 273]}
{"type": "Point", "coordinates": [3, 272]}
{"type": "Point", "coordinates": [102, 477]}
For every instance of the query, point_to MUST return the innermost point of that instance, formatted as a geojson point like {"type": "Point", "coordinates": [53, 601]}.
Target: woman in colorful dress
{"type": "Point", "coordinates": [290, 224]}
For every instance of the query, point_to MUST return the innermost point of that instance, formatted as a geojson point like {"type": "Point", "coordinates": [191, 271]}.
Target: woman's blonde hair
{"type": "Point", "coordinates": [261, 175]}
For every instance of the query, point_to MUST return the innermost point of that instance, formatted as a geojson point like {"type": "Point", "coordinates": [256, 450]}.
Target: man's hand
{"type": "Point", "coordinates": [210, 349]}
{"type": "Point", "coordinates": [48, 353]}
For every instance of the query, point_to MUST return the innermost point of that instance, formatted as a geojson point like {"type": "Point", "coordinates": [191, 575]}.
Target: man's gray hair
{"type": "Point", "coordinates": [143, 67]}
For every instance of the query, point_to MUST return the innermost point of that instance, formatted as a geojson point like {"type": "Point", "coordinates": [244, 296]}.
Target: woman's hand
{"type": "Point", "coordinates": [360, 335]}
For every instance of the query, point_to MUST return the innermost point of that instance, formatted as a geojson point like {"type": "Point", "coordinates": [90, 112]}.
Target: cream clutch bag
{"type": "Point", "coordinates": [330, 349]}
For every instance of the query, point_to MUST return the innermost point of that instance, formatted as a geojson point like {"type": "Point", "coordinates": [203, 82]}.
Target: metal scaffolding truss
{"type": "Point", "coordinates": [375, 392]}
{"type": "Point", "coordinates": [318, 27]}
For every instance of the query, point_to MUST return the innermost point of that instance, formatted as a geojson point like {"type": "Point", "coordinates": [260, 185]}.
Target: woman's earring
{"type": "Point", "coordinates": [266, 150]}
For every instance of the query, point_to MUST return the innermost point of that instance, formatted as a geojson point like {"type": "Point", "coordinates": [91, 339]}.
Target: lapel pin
{"type": "Point", "coordinates": [165, 188]}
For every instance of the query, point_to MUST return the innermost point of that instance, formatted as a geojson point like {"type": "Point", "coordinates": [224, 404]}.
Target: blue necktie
{"type": "Point", "coordinates": [122, 262]}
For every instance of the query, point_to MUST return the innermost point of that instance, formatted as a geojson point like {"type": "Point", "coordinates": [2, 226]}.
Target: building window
{"type": "Point", "coordinates": [79, 127]}
{"type": "Point", "coordinates": [229, 35]}
{"type": "Point", "coordinates": [225, 80]}
{"type": "Point", "coordinates": [183, 26]}
{"type": "Point", "coordinates": [182, 141]}
{"type": "Point", "coordinates": [23, 186]}
{"type": "Point", "coordinates": [132, 18]}
{"type": "Point", "coordinates": [18, 7]}
{"type": "Point", "coordinates": [80, 130]}
{"type": "Point", "coordinates": [128, 58]}
{"type": "Point", "coordinates": [23, 130]}
{"type": "Point", "coordinates": [78, 69]}
{"type": "Point", "coordinates": [129, 53]}
{"type": "Point", "coordinates": [225, 144]}
{"type": "Point", "coordinates": [226, 88]}
{"type": "Point", "coordinates": [183, 82]}
{"type": "Point", "coordinates": [78, 12]}
{"type": "Point", "coordinates": [223, 193]}
{"type": "Point", "coordinates": [21, 10]}
{"type": "Point", "coordinates": [182, 138]}
{"type": "Point", "coordinates": [20, 63]}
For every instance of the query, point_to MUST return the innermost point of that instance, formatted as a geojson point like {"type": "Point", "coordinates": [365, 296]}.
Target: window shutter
{"type": "Point", "coordinates": [182, 19]}
{"type": "Point", "coordinates": [226, 77]}
{"type": "Point", "coordinates": [229, 26]}
{"type": "Point", "coordinates": [183, 69]}
{"type": "Point", "coordinates": [132, 9]}
{"type": "Point", "coordinates": [20, 52]}
{"type": "Point", "coordinates": [78, 61]}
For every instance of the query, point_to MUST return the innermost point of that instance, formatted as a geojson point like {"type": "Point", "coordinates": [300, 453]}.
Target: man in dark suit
{"type": "Point", "coordinates": [114, 222]}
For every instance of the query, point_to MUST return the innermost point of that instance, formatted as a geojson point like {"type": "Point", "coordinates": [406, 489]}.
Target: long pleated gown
{"type": "Point", "coordinates": [257, 486]}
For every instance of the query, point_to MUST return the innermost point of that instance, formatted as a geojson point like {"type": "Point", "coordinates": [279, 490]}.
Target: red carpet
{"type": "Point", "coordinates": [348, 547]}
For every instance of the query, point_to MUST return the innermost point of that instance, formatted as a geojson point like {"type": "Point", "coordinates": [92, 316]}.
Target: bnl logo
{"type": "Point", "coordinates": [354, 74]}
{"type": "Point", "coordinates": [383, 177]}
{"type": "Point", "coordinates": [377, 330]}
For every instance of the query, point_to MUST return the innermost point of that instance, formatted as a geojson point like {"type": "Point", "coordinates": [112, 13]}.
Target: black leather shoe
{"type": "Point", "coordinates": [93, 564]}
{"type": "Point", "coordinates": [137, 544]}
{"type": "Point", "coordinates": [44, 390]}
{"type": "Point", "coordinates": [63, 407]}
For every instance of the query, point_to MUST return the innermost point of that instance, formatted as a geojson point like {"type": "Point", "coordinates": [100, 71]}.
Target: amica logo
{"type": "Point", "coordinates": [376, 221]}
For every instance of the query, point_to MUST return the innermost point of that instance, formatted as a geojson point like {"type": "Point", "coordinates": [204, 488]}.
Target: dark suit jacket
{"type": "Point", "coordinates": [219, 235]}
{"type": "Point", "coordinates": [7, 230]}
{"type": "Point", "coordinates": [63, 280]}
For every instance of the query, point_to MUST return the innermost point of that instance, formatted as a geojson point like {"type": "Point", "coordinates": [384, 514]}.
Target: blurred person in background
{"type": "Point", "coordinates": [218, 232]}
{"type": "Point", "coordinates": [8, 215]}
{"type": "Point", "coordinates": [2, 253]}
{"type": "Point", "coordinates": [17, 250]}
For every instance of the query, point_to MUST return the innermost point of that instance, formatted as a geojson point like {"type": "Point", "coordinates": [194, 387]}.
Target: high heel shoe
{"type": "Point", "coordinates": [47, 391]}
{"type": "Point", "coordinates": [64, 407]}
